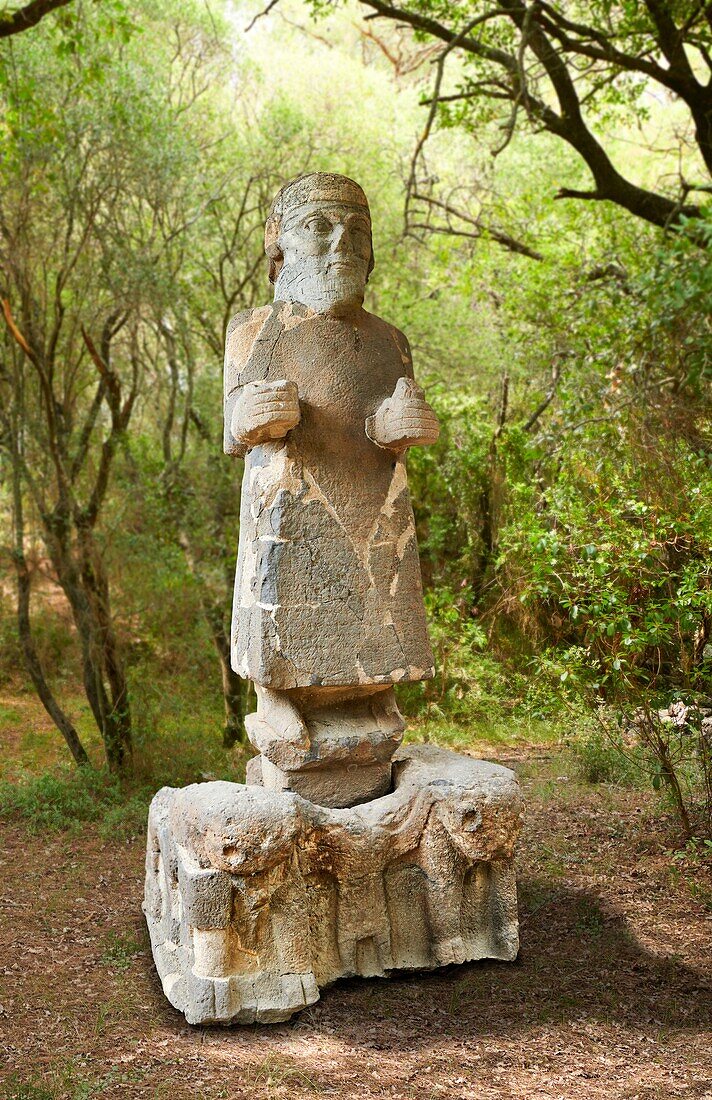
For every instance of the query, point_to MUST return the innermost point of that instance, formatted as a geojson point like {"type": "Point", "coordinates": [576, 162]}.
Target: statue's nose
{"type": "Point", "coordinates": [340, 239]}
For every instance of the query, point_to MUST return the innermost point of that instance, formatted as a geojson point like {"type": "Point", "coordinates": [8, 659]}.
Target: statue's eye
{"type": "Point", "coordinates": [318, 225]}
{"type": "Point", "coordinates": [360, 234]}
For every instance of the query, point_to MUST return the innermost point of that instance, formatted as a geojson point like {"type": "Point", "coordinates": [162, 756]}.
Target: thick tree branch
{"type": "Point", "coordinates": [261, 15]}
{"type": "Point", "coordinates": [52, 407]}
{"type": "Point", "coordinates": [445, 34]}
{"type": "Point", "coordinates": [14, 444]}
{"type": "Point", "coordinates": [669, 38]}
{"type": "Point", "coordinates": [120, 416]}
{"type": "Point", "coordinates": [557, 25]}
{"type": "Point", "coordinates": [547, 35]}
{"type": "Point", "coordinates": [23, 19]}
{"type": "Point", "coordinates": [111, 382]}
{"type": "Point", "coordinates": [549, 397]}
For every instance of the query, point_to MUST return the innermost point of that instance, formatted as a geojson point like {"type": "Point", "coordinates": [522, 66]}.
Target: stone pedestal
{"type": "Point", "coordinates": [257, 898]}
{"type": "Point", "coordinates": [333, 748]}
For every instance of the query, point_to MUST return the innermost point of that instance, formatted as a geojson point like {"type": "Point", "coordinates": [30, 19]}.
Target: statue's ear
{"type": "Point", "coordinates": [276, 259]}
{"type": "Point", "coordinates": [272, 249]}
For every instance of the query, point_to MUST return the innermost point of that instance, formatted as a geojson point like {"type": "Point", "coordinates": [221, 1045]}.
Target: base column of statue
{"type": "Point", "coordinates": [343, 853]}
{"type": "Point", "coordinates": [332, 746]}
{"type": "Point", "coordinates": [257, 899]}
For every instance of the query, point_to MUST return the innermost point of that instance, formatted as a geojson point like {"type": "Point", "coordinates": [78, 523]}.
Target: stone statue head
{"type": "Point", "coordinates": [318, 240]}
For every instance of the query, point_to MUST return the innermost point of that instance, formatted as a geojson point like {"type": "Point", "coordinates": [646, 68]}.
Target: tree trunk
{"type": "Point", "coordinates": [491, 492]}
{"type": "Point", "coordinates": [100, 661]}
{"type": "Point", "coordinates": [700, 105]}
{"type": "Point", "coordinates": [117, 720]}
{"type": "Point", "coordinates": [24, 623]}
{"type": "Point", "coordinates": [234, 687]}
{"type": "Point", "coordinates": [34, 666]}
{"type": "Point", "coordinates": [35, 670]}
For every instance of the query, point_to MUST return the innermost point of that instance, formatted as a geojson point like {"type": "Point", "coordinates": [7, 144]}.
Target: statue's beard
{"type": "Point", "coordinates": [320, 284]}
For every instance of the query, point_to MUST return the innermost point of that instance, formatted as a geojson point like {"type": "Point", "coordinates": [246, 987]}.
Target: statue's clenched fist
{"type": "Point", "coordinates": [265, 411]}
{"type": "Point", "coordinates": [403, 420]}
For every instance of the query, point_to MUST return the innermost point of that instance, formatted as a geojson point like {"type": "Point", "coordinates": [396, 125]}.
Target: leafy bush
{"type": "Point", "coordinates": [448, 483]}
{"type": "Point", "coordinates": [668, 747]}
{"type": "Point", "coordinates": [467, 682]}
{"type": "Point", "coordinates": [127, 819]}
{"type": "Point", "coordinates": [120, 950]}
{"type": "Point", "coordinates": [692, 866]}
{"type": "Point", "coordinates": [27, 1090]}
{"type": "Point", "coordinates": [680, 743]}
{"type": "Point", "coordinates": [10, 652]}
{"type": "Point", "coordinates": [602, 758]}
{"type": "Point", "coordinates": [616, 569]}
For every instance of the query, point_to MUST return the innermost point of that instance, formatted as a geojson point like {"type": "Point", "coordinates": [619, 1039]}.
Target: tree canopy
{"type": "Point", "coordinates": [563, 69]}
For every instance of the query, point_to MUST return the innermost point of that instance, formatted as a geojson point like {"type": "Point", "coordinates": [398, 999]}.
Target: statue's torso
{"type": "Point", "coordinates": [328, 588]}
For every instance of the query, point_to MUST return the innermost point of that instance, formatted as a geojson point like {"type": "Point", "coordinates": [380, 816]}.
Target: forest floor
{"type": "Point", "coordinates": [611, 996]}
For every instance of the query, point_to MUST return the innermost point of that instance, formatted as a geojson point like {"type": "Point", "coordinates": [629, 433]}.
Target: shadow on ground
{"type": "Point", "coordinates": [578, 961]}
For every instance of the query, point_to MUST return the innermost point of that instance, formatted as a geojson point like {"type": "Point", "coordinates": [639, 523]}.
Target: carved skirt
{"type": "Point", "coordinates": [328, 588]}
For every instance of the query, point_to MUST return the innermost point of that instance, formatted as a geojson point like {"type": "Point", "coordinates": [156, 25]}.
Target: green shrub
{"type": "Point", "coordinates": [68, 798]}
{"type": "Point", "coordinates": [120, 950]}
{"type": "Point", "coordinates": [471, 685]}
{"type": "Point", "coordinates": [124, 821]}
{"type": "Point", "coordinates": [27, 1090]}
{"type": "Point", "coordinates": [617, 572]}
{"type": "Point", "coordinates": [10, 652]}
{"type": "Point", "coordinates": [691, 866]}
{"type": "Point", "coordinates": [603, 758]}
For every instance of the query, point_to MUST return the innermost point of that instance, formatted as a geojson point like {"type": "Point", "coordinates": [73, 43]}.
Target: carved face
{"type": "Point", "coordinates": [326, 250]}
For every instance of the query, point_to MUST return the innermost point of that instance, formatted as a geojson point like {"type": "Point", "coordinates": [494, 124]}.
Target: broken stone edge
{"type": "Point", "coordinates": [257, 899]}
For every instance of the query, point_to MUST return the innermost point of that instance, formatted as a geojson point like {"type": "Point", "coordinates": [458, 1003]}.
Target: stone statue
{"type": "Point", "coordinates": [320, 398]}
{"type": "Point", "coordinates": [342, 854]}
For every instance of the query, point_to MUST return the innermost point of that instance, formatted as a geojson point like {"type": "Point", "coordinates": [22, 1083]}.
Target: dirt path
{"type": "Point", "coordinates": [611, 997]}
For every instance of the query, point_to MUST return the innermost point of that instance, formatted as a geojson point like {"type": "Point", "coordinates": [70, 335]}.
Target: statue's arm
{"type": "Point", "coordinates": [405, 419]}
{"type": "Point", "coordinates": [256, 409]}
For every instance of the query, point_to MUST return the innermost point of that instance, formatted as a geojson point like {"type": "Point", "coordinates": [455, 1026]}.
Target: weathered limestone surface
{"type": "Point", "coordinates": [256, 899]}
{"type": "Point", "coordinates": [338, 753]}
{"type": "Point", "coordinates": [320, 398]}
{"type": "Point", "coordinates": [321, 402]}
{"type": "Point", "coordinates": [328, 588]}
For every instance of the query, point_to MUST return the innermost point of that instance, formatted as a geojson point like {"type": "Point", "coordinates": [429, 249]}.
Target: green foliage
{"type": "Point", "coordinates": [677, 293]}
{"type": "Point", "coordinates": [668, 749]}
{"type": "Point", "coordinates": [27, 1090]}
{"type": "Point", "coordinates": [10, 650]}
{"type": "Point", "coordinates": [603, 757]}
{"type": "Point", "coordinates": [174, 752]}
{"type": "Point", "coordinates": [126, 819]}
{"type": "Point", "coordinates": [67, 799]}
{"type": "Point", "coordinates": [66, 1081]}
{"type": "Point", "coordinates": [692, 865]}
{"type": "Point", "coordinates": [617, 570]}
{"type": "Point", "coordinates": [448, 482]}
{"type": "Point", "coordinates": [465, 679]}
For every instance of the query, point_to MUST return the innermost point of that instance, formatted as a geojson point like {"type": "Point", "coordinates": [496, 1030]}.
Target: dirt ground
{"type": "Point", "coordinates": [611, 996]}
